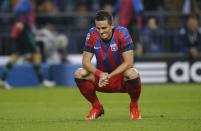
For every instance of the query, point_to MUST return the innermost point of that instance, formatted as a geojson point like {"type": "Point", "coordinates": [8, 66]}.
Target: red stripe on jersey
{"type": "Point", "coordinates": [92, 39]}
{"type": "Point", "coordinates": [123, 39]}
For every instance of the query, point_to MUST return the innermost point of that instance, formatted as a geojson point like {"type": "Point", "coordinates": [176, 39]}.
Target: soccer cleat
{"type": "Point", "coordinates": [5, 85]}
{"type": "Point", "coordinates": [48, 83]}
{"type": "Point", "coordinates": [135, 114]}
{"type": "Point", "coordinates": [1, 83]}
{"type": "Point", "coordinates": [94, 113]}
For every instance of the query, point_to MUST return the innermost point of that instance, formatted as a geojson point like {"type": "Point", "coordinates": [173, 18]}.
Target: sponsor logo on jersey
{"type": "Point", "coordinates": [97, 47]}
{"type": "Point", "coordinates": [88, 36]}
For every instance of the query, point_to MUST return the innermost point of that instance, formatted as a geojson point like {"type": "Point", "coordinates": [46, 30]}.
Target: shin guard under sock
{"type": "Point", "coordinates": [134, 90]}
{"type": "Point", "coordinates": [87, 89]}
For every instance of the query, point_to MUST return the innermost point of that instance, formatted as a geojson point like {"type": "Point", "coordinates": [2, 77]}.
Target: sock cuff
{"type": "Point", "coordinates": [135, 80]}
{"type": "Point", "coordinates": [10, 64]}
{"type": "Point", "coordinates": [79, 80]}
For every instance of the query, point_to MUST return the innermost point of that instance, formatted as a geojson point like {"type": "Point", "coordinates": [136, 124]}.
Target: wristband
{"type": "Point", "coordinates": [98, 72]}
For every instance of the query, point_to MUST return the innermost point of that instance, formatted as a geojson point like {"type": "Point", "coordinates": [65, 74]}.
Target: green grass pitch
{"type": "Point", "coordinates": [164, 107]}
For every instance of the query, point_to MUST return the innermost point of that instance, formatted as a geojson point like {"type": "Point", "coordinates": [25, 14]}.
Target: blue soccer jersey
{"type": "Point", "coordinates": [109, 54]}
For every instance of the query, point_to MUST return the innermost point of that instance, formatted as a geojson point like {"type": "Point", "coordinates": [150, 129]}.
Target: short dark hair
{"type": "Point", "coordinates": [103, 15]}
{"type": "Point", "coordinates": [192, 16]}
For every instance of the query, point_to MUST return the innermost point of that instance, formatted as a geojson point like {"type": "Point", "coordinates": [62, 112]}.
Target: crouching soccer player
{"type": "Point", "coordinates": [113, 48]}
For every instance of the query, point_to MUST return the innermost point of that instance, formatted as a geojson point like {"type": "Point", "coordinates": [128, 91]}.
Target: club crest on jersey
{"type": "Point", "coordinates": [113, 47]}
{"type": "Point", "coordinates": [88, 36]}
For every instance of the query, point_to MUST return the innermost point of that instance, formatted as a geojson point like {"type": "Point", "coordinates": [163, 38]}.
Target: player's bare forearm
{"type": "Point", "coordinates": [86, 62]}
{"type": "Point", "coordinates": [128, 63]}
{"type": "Point", "coordinates": [89, 67]}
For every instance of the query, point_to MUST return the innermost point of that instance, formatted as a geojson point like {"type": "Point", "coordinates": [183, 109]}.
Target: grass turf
{"type": "Point", "coordinates": [164, 107]}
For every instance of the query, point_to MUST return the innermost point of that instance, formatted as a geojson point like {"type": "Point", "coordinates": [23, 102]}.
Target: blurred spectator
{"type": "Point", "coordinates": [186, 10]}
{"type": "Point", "coordinates": [70, 5]}
{"type": "Point", "coordinates": [191, 6]}
{"type": "Point", "coordinates": [49, 13]}
{"type": "Point", "coordinates": [47, 6]}
{"type": "Point", "coordinates": [102, 3]}
{"type": "Point", "coordinates": [5, 5]}
{"type": "Point", "coordinates": [82, 21]}
{"type": "Point", "coordinates": [24, 42]}
{"type": "Point", "coordinates": [91, 5]}
{"type": "Point", "coordinates": [8, 5]}
{"type": "Point", "coordinates": [53, 45]}
{"type": "Point", "coordinates": [60, 4]}
{"type": "Point", "coordinates": [173, 22]}
{"type": "Point", "coordinates": [109, 8]}
{"type": "Point", "coordinates": [189, 39]}
{"type": "Point", "coordinates": [197, 7]}
{"type": "Point", "coordinates": [150, 37]}
{"type": "Point", "coordinates": [51, 5]}
{"type": "Point", "coordinates": [153, 5]}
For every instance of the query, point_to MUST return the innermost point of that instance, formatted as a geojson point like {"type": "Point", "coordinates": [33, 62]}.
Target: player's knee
{"type": "Point", "coordinates": [80, 73]}
{"type": "Point", "coordinates": [77, 73]}
{"type": "Point", "coordinates": [131, 73]}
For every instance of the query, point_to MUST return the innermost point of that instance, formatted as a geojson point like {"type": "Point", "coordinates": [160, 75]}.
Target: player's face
{"type": "Point", "coordinates": [104, 29]}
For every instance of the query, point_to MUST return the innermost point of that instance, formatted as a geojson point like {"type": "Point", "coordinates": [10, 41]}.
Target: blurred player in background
{"type": "Point", "coordinates": [113, 48]}
{"type": "Point", "coordinates": [53, 44]}
{"type": "Point", "coordinates": [189, 38]}
{"type": "Point", "coordinates": [24, 42]}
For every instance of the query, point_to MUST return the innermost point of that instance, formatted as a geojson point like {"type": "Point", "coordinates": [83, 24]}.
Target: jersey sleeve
{"type": "Point", "coordinates": [89, 42]}
{"type": "Point", "coordinates": [125, 40]}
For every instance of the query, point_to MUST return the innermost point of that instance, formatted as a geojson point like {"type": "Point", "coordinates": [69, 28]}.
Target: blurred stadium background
{"type": "Point", "coordinates": [158, 55]}
{"type": "Point", "coordinates": [72, 19]}
{"type": "Point", "coordinates": [171, 79]}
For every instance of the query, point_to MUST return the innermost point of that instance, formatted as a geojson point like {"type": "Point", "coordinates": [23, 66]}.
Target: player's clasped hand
{"type": "Point", "coordinates": [104, 79]}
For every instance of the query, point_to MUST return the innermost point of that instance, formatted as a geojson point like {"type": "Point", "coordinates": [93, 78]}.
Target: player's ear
{"type": "Point", "coordinates": [112, 23]}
